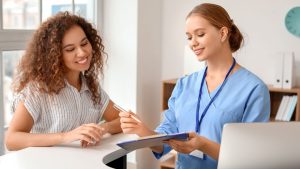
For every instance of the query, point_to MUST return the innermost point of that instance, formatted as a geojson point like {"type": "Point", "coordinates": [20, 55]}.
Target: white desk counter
{"type": "Point", "coordinates": [68, 156]}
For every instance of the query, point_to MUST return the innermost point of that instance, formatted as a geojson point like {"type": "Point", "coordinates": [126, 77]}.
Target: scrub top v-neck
{"type": "Point", "coordinates": [244, 98]}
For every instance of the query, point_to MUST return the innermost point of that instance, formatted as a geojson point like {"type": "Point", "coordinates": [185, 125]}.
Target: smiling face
{"type": "Point", "coordinates": [204, 39]}
{"type": "Point", "coordinates": [77, 50]}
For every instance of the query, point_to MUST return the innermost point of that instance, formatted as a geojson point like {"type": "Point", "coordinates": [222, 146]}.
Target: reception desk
{"type": "Point", "coordinates": [67, 156]}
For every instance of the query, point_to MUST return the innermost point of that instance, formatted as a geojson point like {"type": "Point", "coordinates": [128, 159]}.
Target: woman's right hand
{"type": "Point", "coordinates": [130, 125]}
{"type": "Point", "coordinates": [89, 133]}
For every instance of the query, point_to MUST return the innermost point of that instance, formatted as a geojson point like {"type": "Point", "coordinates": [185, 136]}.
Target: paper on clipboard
{"type": "Point", "coordinates": [149, 141]}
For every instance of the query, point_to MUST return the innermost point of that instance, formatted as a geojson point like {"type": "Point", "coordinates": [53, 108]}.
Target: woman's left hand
{"type": "Point", "coordinates": [86, 144]}
{"type": "Point", "coordinates": [188, 146]}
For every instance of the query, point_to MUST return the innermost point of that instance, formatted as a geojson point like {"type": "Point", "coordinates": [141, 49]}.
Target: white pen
{"type": "Point", "coordinates": [117, 107]}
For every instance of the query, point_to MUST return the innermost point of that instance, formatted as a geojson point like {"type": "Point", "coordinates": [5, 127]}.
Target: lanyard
{"type": "Point", "coordinates": [198, 123]}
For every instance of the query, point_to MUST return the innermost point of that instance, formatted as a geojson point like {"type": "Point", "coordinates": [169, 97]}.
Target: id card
{"type": "Point", "coordinates": [197, 153]}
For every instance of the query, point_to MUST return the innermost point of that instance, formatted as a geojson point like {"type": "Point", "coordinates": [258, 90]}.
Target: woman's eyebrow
{"type": "Point", "coordinates": [84, 39]}
{"type": "Point", "coordinates": [73, 44]}
{"type": "Point", "coordinates": [196, 30]}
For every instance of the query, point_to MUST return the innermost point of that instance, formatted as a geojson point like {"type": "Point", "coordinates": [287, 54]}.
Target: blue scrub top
{"type": "Point", "coordinates": [244, 98]}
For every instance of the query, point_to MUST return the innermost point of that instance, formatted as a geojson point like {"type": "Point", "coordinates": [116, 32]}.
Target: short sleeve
{"type": "Point", "coordinates": [31, 99]}
{"type": "Point", "coordinates": [258, 105]}
{"type": "Point", "coordinates": [104, 101]}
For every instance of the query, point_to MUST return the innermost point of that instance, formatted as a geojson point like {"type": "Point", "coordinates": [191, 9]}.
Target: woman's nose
{"type": "Point", "coordinates": [194, 42]}
{"type": "Point", "coordinates": [81, 52]}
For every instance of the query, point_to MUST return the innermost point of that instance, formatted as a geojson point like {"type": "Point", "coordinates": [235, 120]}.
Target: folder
{"type": "Point", "coordinates": [288, 70]}
{"type": "Point", "coordinates": [153, 140]}
{"type": "Point", "coordinates": [285, 107]}
{"type": "Point", "coordinates": [280, 109]}
{"type": "Point", "coordinates": [292, 107]}
{"type": "Point", "coordinates": [279, 70]}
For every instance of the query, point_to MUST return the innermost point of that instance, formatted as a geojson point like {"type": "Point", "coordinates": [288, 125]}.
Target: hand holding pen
{"type": "Point", "coordinates": [120, 109]}
{"type": "Point", "coordinates": [130, 123]}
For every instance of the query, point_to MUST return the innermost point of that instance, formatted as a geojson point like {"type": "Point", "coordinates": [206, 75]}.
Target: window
{"type": "Point", "coordinates": [79, 7]}
{"type": "Point", "coordinates": [10, 60]}
{"type": "Point", "coordinates": [22, 14]}
{"type": "Point", "coordinates": [25, 14]}
{"type": "Point", "coordinates": [18, 20]}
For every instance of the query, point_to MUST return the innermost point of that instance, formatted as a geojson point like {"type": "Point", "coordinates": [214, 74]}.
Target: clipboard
{"type": "Point", "coordinates": [153, 140]}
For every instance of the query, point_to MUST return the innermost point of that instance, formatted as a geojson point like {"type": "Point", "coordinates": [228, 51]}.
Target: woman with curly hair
{"type": "Point", "coordinates": [58, 97]}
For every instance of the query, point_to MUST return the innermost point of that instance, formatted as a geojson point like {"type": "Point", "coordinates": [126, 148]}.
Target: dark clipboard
{"type": "Point", "coordinates": [153, 140]}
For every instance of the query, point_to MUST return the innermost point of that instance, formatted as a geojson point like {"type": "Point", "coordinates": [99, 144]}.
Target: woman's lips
{"type": "Point", "coordinates": [198, 51]}
{"type": "Point", "coordinates": [83, 61]}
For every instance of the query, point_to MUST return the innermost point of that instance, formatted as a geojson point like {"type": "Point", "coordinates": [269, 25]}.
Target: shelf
{"type": "Point", "coordinates": [167, 88]}
{"type": "Point", "coordinates": [295, 90]}
{"type": "Point", "coordinates": [276, 95]}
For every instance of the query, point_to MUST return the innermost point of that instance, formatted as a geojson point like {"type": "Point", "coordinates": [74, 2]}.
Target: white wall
{"type": "Point", "coordinates": [120, 40]}
{"type": "Point", "coordinates": [261, 22]}
{"type": "Point", "coordinates": [133, 75]}
{"type": "Point", "coordinates": [149, 72]}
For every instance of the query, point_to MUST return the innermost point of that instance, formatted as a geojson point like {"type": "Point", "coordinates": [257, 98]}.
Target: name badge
{"type": "Point", "coordinates": [197, 153]}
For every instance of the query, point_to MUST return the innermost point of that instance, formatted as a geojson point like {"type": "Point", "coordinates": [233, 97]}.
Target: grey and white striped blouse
{"type": "Point", "coordinates": [64, 111]}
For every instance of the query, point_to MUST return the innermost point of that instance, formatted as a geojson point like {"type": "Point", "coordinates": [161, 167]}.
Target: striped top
{"type": "Point", "coordinates": [61, 112]}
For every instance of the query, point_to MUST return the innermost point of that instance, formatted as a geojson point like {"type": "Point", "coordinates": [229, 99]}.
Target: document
{"type": "Point", "coordinates": [153, 140]}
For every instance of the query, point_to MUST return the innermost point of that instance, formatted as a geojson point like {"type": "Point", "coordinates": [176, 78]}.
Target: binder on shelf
{"type": "Point", "coordinates": [288, 70]}
{"type": "Point", "coordinates": [280, 109]}
{"type": "Point", "coordinates": [286, 108]}
{"type": "Point", "coordinates": [278, 79]}
{"type": "Point", "coordinates": [285, 101]}
{"type": "Point", "coordinates": [291, 108]}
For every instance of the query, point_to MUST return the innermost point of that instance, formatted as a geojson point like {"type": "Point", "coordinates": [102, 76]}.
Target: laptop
{"type": "Point", "coordinates": [273, 145]}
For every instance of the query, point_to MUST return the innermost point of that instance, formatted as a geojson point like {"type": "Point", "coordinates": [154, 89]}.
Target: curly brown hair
{"type": "Point", "coordinates": [42, 64]}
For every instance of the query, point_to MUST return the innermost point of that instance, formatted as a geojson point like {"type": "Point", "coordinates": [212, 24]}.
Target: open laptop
{"type": "Point", "coordinates": [273, 145]}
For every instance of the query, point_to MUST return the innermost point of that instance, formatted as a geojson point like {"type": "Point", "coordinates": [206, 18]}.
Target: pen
{"type": "Point", "coordinates": [117, 107]}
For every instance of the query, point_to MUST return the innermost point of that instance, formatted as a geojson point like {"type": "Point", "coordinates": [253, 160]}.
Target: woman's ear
{"type": "Point", "coordinates": [223, 33]}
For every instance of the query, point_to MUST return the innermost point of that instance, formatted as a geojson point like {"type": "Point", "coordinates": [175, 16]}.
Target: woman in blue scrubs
{"type": "Point", "coordinates": [201, 103]}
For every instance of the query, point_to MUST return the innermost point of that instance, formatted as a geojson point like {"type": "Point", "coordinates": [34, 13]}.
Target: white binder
{"type": "Point", "coordinates": [291, 108]}
{"type": "Point", "coordinates": [288, 70]}
{"type": "Point", "coordinates": [278, 79]}
{"type": "Point", "coordinates": [281, 108]}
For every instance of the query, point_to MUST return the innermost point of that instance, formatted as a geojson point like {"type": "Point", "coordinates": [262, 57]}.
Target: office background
{"type": "Point", "coordinates": [145, 41]}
